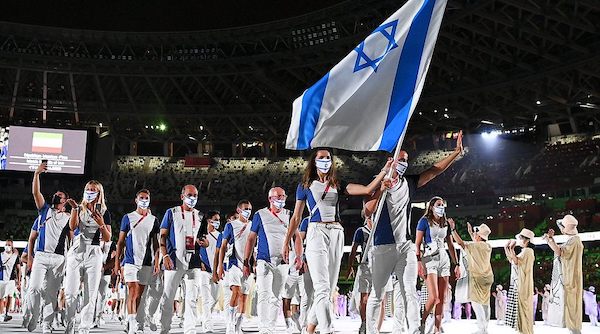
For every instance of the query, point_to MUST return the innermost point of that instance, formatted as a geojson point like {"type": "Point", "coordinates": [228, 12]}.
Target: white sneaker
{"type": "Point", "coordinates": [238, 324]}
{"type": "Point", "coordinates": [46, 328]}
{"type": "Point", "coordinates": [291, 326]}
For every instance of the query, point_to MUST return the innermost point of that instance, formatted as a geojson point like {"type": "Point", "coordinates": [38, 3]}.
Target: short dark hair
{"type": "Point", "coordinates": [229, 215]}
{"type": "Point", "coordinates": [146, 191]}
{"type": "Point", "coordinates": [211, 213]}
{"type": "Point", "coordinates": [244, 201]}
{"type": "Point", "coordinates": [64, 192]}
{"type": "Point", "coordinates": [8, 239]}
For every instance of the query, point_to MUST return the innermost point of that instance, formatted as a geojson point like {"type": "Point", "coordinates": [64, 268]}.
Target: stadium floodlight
{"type": "Point", "coordinates": [538, 102]}
{"type": "Point", "coordinates": [162, 127]}
{"type": "Point", "coordinates": [483, 121]}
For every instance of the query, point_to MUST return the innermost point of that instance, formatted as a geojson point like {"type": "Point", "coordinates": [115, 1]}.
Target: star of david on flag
{"type": "Point", "coordinates": [363, 60]}
{"type": "Point", "coordinates": [365, 101]}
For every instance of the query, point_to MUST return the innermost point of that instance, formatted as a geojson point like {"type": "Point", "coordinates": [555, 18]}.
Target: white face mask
{"type": "Point", "coordinates": [215, 224]}
{"type": "Point", "coordinates": [190, 201]}
{"type": "Point", "coordinates": [279, 203]}
{"type": "Point", "coordinates": [90, 196]}
{"type": "Point", "coordinates": [439, 210]}
{"type": "Point", "coordinates": [143, 203]}
{"type": "Point", "coordinates": [323, 165]}
{"type": "Point", "coordinates": [401, 168]}
{"type": "Point", "coordinates": [8, 249]}
{"type": "Point", "coordinates": [246, 213]}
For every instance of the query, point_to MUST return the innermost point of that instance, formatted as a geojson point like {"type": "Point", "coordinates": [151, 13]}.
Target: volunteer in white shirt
{"type": "Point", "coordinates": [46, 263]}
{"type": "Point", "coordinates": [236, 234]}
{"type": "Point", "coordinates": [179, 234]}
{"type": "Point", "coordinates": [209, 290]}
{"type": "Point", "coordinates": [393, 249]}
{"type": "Point", "coordinates": [90, 222]}
{"type": "Point", "coordinates": [321, 190]}
{"type": "Point", "coordinates": [139, 230]}
{"type": "Point", "coordinates": [269, 227]}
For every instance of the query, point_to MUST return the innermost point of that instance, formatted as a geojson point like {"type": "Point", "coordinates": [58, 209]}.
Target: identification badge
{"type": "Point", "coordinates": [189, 243]}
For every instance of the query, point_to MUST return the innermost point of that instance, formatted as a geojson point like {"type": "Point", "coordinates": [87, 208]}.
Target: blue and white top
{"type": "Point", "coordinates": [271, 229]}
{"type": "Point", "coordinates": [88, 230]}
{"type": "Point", "coordinates": [180, 224]}
{"type": "Point", "coordinates": [361, 237]}
{"type": "Point", "coordinates": [207, 254]}
{"type": "Point", "coordinates": [393, 226]}
{"type": "Point", "coordinates": [53, 229]}
{"type": "Point", "coordinates": [325, 198]}
{"type": "Point", "coordinates": [434, 235]}
{"type": "Point", "coordinates": [9, 261]}
{"type": "Point", "coordinates": [236, 233]}
{"type": "Point", "coordinates": [304, 225]}
{"type": "Point", "coordinates": [141, 230]}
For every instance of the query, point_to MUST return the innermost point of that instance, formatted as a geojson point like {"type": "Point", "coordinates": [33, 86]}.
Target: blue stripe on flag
{"type": "Point", "coordinates": [406, 77]}
{"type": "Point", "coordinates": [311, 108]}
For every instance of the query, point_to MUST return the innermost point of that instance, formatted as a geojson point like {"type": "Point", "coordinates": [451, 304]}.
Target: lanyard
{"type": "Point", "coordinates": [276, 216]}
{"type": "Point", "coordinates": [193, 217]}
{"type": "Point", "coordinates": [139, 220]}
{"type": "Point", "coordinates": [325, 192]}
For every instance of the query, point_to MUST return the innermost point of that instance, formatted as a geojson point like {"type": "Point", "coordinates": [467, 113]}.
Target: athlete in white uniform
{"type": "Point", "coordinates": [393, 249]}
{"type": "Point", "coordinates": [139, 230]}
{"type": "Point", "coordinates": [321, 190]}
{"type": "Point", "coordinates": [179, 234]}
{"type": "Point", "coordinates": [47, 263]}
{"type": "Point", "coordinates": [8, 276]}
{"type": "Point", "coordinates": [269, 227]}
{"type": "Point", "coordinates": [434, 263]}
{"type": "Point", "coordinates": [236, 234]}
{"type": "Point", "coordinates": [209, 290]}
{"type": "Point", "coordinates": [90, 222]}
{"type": "Point", "coordinates": [363, 276]}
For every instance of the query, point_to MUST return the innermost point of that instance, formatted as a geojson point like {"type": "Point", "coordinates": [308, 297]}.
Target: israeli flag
{"type": "Point", "coordinates": [364, 102]}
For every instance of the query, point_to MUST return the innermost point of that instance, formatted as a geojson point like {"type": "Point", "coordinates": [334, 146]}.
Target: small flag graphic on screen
{"type": "Point", "coordinates": [45, 142]}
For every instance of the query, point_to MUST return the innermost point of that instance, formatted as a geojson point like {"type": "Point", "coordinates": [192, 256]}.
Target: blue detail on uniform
{"type": "Point", "coordinates": [228, 235]}
{"type": "Point", "coordinates": [204, 259]}
{"type": "Point", "coordinates": [304, 225]}
{"type": "Point", "coordinates": [126, 227]}
{"type": "Point", "coordinates": [384, 235]}
{"type": "Point", "coordinates": [42, 227]}
{"type": "Point", "coordinates": [167, 224]}
{"type": "Point", "coordinates": [423, 226]}
{"type": "Point", "coordinates": [263, 242]}
{"type": "Point", "coordinates": [304, 194]}
{"type": "Point", "coordinates": [359, 236]}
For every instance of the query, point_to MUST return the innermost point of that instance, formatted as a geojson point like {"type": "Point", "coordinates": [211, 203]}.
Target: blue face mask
{"type": "Point", "coordinates": [190, 201]}
{"type": "Point", "coordinates": [90, 196]}
{"type": "Point", "coordinates": [439, 210]}
{"type": "Point", "coordinates": [279, 203]}
{"type": "Point", "coordinates": [246, 213]}
{"type": "Point", "coordinates": [143, 203]}
{"type": "Point", "coordinates": [215, 223]}
{"type": "Point", "coordinates": [401, 168]}
{"type": "Point", "coordinates": [323, 165]}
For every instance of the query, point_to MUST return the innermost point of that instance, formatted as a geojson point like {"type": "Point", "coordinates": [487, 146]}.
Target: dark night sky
{"type": "Point", "coordinates": [152, 15]}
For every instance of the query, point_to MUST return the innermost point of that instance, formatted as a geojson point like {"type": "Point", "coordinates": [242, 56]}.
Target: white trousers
{"type": "Point", "coordinates": [209, 292]}
{"type": "Point", "coordinates": [482, 313]}
{"type": "Point", "coordinates": [103, 293]}
{"type": "Point", "coordinates": [84, 261]}
{"type": "Point", "coordinates": [270, 279]}
{"type": "Point", "coordinates": [384, 261]}
{"type": "Point", "coordinates": [324, 250]}
{"type": "Point", "coordinates": [149, 301]}
{"type": "Point", "coordinates": [399, 310]}
{"type": "Point", "coordinates": [306, 297]}
{"type": "Point", "coordinates": [44, 283]}
{"type": "Point", "coordinates": [172, 279]}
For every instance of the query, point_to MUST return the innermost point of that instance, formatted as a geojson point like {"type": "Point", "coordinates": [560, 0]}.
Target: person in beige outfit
{"type": "Point", "coordinates": [570, 254]}
{"type": "Point", "coordinates": [481, 276]}
{"type": "Point", "coordinates": [523, 270]}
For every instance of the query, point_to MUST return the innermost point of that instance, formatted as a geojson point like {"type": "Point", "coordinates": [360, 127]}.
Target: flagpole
{"type": "Point", "coordinates": [382, 200]}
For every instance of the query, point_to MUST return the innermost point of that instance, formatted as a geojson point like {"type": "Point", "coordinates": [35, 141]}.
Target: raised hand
{"type": "Point", "coordinates": [459, 143]}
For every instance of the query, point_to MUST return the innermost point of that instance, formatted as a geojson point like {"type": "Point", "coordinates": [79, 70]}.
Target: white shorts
{"type": "Point", "coordinates": [364, 277]}
{"type": "Point", "coordinates": [115, 295]}
{"type": "Point", "coordinates": [235, 277]}
{"type": "Point", "coordinates": [10, 289]}
{"type": "Point", "coordinates": [140, 274]}
{"type": "Point", "coordinates": [291, 287]}
{"type": "Point", "coordinates": [439, 265]}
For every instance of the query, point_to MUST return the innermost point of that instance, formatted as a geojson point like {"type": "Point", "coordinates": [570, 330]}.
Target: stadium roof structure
{"type": "Point", "coordinates": [504, 62]}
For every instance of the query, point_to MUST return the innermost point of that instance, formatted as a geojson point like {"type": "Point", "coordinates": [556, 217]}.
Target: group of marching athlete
{"type": "Point", "coordinates": [293, 261]}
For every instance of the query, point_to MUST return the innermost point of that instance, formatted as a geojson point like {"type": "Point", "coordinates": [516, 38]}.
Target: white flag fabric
{"type": "Point", "coordinates": [365, 102]}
